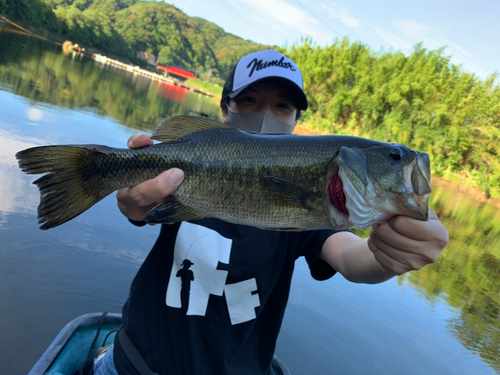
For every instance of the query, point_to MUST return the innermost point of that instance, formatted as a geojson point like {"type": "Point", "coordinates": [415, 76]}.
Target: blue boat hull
{"type": "Point", "coordinates": [70, 348]}
{"type": "Point", "coordinates": [78, 341]}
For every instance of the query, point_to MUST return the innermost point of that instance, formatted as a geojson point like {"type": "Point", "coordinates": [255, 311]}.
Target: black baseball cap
{"type": "Point", "coordinates": [265, 66]}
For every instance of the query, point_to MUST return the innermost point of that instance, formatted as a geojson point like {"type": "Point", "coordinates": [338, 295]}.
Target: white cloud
{"type": "Point", "coordinates": [420, 32]}
{"type": "Point", "coordinates": [434, 37]}
{"type": "Point", "coordinates": [347, 19]}
{"type": "Point", "coordinates": [393, 40]}
{"type": "Point", "coordinates": [295, 21]}
{"type": "Point", "coordinates": [412, 28]}
{"type": "Point", "coordinates": [16, 191]}
{"type": "Point", "coordinates": [34, 114]}
{"type": "Point", "coordinates": [341, 14]}
{"type": "Point", "coordinates": [284, 13]}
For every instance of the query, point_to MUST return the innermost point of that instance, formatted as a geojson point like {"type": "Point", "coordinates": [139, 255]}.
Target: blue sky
{"type": "Point", "coordinates": [469, 29]}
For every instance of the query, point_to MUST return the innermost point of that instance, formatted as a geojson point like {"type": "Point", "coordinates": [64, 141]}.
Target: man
{"type": "Point", "coordinates": [210, 296]}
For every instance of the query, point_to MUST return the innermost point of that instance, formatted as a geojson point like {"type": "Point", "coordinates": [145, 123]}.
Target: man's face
{"type": "Point", "coordinates": [265, 97]}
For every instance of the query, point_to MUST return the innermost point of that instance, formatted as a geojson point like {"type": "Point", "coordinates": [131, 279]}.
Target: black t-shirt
{"type": "Point", "coordinates": [210, 297]}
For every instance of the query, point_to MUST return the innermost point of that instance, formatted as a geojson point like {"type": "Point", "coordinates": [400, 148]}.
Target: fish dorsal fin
{"type": "Point", "coordinates": [175, 127]}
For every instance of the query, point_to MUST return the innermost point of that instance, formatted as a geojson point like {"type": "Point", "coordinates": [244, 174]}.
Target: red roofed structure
{"type": "Point", "coordinates": [177, 72]}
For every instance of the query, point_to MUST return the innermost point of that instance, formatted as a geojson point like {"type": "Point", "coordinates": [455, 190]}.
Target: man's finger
{"type": "Point", "coordinates": [139, 140]}
{"type": "Point", "coordinates": [154, 190]}
{"type": "Point", "coordinates": [415, 229]}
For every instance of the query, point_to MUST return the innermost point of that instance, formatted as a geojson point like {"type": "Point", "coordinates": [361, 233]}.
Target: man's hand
{"type": "Point", "coordinates": [393, 248]}
{"type": "Point", "coordinates": [136, 201]}
{"type": "Point", "coordinates": [403, 244]}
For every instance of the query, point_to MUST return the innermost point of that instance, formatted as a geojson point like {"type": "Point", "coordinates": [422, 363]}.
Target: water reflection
{"type": "Point", "coordinates": [43, 74]}
{"type": "Point", "coordinates": [16, 193]}
{"type": "Point", "coordinates": [466, 274]}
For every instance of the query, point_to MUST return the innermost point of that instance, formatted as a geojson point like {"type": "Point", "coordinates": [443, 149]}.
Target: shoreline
{"type": "Point", "coordinates": [476, 194]}
{"type": "Point", "coordinates": [473, 193]}
{"type": "Point", "coordinates": [105, 58]}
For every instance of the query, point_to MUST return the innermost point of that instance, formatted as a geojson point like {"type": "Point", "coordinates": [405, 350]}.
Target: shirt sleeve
{"type": "Point", "coordinates": [311, 244]}
{"type": "Point", "coordinates": [138, 223]}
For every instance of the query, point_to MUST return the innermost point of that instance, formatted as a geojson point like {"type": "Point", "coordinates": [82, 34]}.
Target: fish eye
{"type": "Point", "coordinates": [396, 153]}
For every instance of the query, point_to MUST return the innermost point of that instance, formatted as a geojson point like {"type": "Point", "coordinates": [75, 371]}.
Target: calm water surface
{"type": "Point", "coordinates": [443, 319]}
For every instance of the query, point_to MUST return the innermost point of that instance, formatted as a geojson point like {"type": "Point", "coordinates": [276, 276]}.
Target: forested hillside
{"type": "Point", "coordinates": [420, 99]}
{"type": "Point", "coordinates": [124, 27]}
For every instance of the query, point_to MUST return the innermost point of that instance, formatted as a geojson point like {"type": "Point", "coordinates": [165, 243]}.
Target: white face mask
{"type": "Point", "coordinates": [258, 122]}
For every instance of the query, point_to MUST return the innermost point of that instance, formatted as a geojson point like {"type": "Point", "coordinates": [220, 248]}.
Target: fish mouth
{"type": "Point", "coordinates": [337, 195]}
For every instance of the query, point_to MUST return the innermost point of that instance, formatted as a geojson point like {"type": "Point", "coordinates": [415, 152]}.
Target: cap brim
{"type": "Point", "coordinates": [295, 91]}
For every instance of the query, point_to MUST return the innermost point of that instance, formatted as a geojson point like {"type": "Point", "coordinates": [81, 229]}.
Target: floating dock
{"type": "Point", "coordinates": [147, 73]}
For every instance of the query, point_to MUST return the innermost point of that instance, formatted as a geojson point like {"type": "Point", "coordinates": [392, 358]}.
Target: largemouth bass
{"type": "Point", "coordinates": [286, 182]}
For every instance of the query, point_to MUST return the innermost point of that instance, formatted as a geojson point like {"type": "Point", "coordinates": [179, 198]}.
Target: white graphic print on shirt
{"type": "Point", "coordinates": [200, 255]}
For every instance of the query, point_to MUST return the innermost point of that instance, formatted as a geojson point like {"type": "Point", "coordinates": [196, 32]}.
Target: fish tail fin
{"type": "Point", "coordinates": [67, 188]}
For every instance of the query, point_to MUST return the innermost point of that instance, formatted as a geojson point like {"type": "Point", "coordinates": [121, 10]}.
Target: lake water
{"type": "Point", "coordinates": [443, 319]}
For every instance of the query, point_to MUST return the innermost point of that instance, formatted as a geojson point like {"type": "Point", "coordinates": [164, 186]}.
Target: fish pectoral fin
{"type": "Point", "coordinates": [286, 193]}
{"type": "Point", "coordinates": [172, 211]}
{"type": "Point", "coordinates": [175, 127]}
